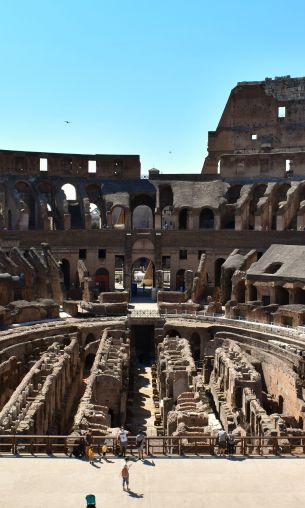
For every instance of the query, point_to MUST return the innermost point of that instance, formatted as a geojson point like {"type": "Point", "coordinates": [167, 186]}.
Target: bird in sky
{"type": "Point", "coordinates": [67, 121]}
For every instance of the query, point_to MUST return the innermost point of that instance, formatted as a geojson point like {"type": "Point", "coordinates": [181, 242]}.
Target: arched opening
{"type": "Point", "coordinates": [173, 333]}
{"type": "Point", "coordinates": [74, 207]}
{"type": "Point", "coordinates": [167, 218]}
{"type": "Point", "coordinates": [279, 195]}
{"type": "Point", "coordinates": [27, 197]}
{"type": "Point", "coordinates": [90, 338]}
{"type": "Point", "coordinates": [142, 212]}
{"type": "Point", "coordinates": [206, 219]}
{"type": "Point", "coordinates": [257, 192]}
{"type": "Point", "coordinates": [102, 280]}
{"type": "Point", "coordinates": [95, 214]}
{"type": "Point", "coordinates": [65, 268]}
{"type": "Point", "coordinates": [118, 217]}
{"type": "Point", "coordinates": [9, 220]}
{"type": "Point", "coordinates": [281, 296]}
{"type": "Point", "coordinates": [3, 221]}
{"type": "Point", "coordinates": [94, 195]}
{"type": "Point", "coordinates": [299, 296]}
{"type": "Point", "coordinates": [228, 219]}
{"type": "Point", "coordinates": [142, 217]}
{"type": "Point", "coordinates": [281, 404]}
{"type": "Point", "coordinates": [143, 277]}
{"type": "Point", "coordinates": [180, 282]}
{"type": "Point", "coordinates": [166, 200]}
{"type": "Point", "coordinates": [184, 218]}
{"type": "Point", "coordinates": [240, 292]}
{"type": "Point", "coordinates": [51, 218]}
{"type": "Point", "coordinates": [195, 346]}
{"type": "Point", "coordinates": [165, 196]}
{"type": "Point", "coordinates": [217, 271]}
{"type": "Point", "coordinates": [89, 361]}
{"type": "Point", "coordinates": [252, 293]}
{"type": "Point", "coordinates": [233, 194]}
{"type": "Point", "coordinates": [119, 272]}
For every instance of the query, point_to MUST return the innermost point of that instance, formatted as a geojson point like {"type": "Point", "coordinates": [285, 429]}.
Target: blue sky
{"type": "Point", "coordinates": [136, 76]}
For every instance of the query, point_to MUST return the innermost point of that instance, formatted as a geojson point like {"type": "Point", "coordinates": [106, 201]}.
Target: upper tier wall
{"type": "Point", "coordinates": [61, 164]}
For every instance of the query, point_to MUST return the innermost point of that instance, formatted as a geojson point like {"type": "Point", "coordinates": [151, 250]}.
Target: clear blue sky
{"type": "Point", "coordinates": [136, 76]}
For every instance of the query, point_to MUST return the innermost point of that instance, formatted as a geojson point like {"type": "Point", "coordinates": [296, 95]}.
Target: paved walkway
{"type": "Point", "coordinates": [142, 408]}
{"type": "Point", "coordinates": [196, 483]}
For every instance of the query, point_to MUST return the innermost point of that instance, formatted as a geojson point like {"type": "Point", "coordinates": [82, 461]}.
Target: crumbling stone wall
{"type": "Point", "coordinates": [41, 393]}
{"type": "Point", "coordinates": [104, 401]}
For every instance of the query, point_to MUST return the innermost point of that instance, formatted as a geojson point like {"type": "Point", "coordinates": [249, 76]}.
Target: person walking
{"type": "Point", "coordinates": [125, 475]}
{"type": "Point", "coordinates": [140, 442]}
{"type": "Point", "coordinates": [123, 440]}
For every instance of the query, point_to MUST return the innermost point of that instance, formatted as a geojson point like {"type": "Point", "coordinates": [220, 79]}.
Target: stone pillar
{"type": "Point", "coordinates": [188, 281]}
{"type": "Point", "coordinates": [128, 220]}
{"type": "Point", "coordinates": [158, 219]}
{"type": "Point", "coordinates": [87, 221]}
{"type": "Point", "coordinates": [217, 221]}
{"type": "Point", "coordinates": [280, 223]}
{"type": "Point", "coordinates": [23, 220]}
{"type": "Point", "coordinates": [67, 221]}
{"type": "Point", "coordinates": [238, 222]}
{"type": "Point", "coordinates": [300, 221]}
{"type": "Point", "coordinates": [196, 219]}
{"type": "Point", "coordinates": [190, 219]}
{"type": "Point", "coordinates": [159, 279]}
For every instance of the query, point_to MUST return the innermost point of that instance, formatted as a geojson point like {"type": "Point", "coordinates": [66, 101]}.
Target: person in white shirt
{"type": "Point", "coordinates": [123, 440]}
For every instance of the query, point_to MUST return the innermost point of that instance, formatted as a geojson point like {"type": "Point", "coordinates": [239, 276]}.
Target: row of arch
{"type": "Point", "coordinates": [90, 205]}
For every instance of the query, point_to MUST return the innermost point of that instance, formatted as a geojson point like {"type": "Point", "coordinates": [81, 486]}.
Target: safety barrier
{"type": "Point", "coordinates": [156, 445]}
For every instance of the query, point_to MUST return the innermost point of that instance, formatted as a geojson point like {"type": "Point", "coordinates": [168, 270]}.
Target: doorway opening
{"type": "Point", "coordinates": [143, 277]}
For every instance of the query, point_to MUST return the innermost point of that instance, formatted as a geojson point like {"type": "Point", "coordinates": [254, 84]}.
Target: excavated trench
{"type": "Point", "coordinates": [140, 405]}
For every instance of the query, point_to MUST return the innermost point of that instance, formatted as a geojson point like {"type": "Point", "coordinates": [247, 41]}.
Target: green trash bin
{"type": "Point", "coordinates": [90, 500]}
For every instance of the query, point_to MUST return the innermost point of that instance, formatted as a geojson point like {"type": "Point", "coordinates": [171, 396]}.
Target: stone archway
{"type": "Point", "coordinates": [180, 282]}
{"type": "Point", "coordinates": [102, 280]}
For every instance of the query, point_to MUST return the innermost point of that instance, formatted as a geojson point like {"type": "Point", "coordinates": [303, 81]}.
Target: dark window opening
{"type": "Point", "coordinates": [266, 300]}
{"type": "Point", "coordinates": [183, 254]}
{"type": "Point", "coordinates": [82, 254]}
{"type": "Point", "coordinates": [166, 262]}
{"type": "Point", "coordinates": [102, 253]}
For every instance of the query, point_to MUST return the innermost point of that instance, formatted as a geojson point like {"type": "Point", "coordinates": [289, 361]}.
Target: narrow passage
{"type": "Point", "coordinates": [141, 409]}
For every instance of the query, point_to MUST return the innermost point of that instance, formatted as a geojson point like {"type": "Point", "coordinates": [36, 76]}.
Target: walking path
{"type": "Point", "coordinates": [140, 406]}
{"type": "Point", "coordinates": [198, 483]}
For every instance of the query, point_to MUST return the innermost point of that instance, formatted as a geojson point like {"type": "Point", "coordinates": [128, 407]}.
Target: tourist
{"type": "Point", "coordinates": [123, 440]}
{"type": "Point", "coordinates": [105, 445]}
{"type": "Point", "coordinates": [82, 447]}
{"type": "Point", "coordinates": [231, 444]}
{"type": "Point", "coordinates": [88, 441]}
{"type": "Point", "coordinates": [90, 454]}
{"type": "Point", "coordinates": [125, 475]}
{"type": "Point", "coordinates": [222, 442]}
{"type": "Point", "coordinates": [140, 442]}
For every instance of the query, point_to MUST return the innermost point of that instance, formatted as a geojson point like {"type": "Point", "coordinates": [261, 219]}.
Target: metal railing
{"type": "Point", "coordinates": [159, 445]}
{"type": "Point", "coordinates": [284, 330]}
{"type": "Point", "coordinates": [144, 314]}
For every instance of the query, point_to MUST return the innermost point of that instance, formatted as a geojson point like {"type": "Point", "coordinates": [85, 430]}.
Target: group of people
{"type": "Point", "coordinates": [83, 446]}
{"type": "Point", "coordinates": [122, 438]}
{"type": "Point", "coordinates": [226, 443]}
